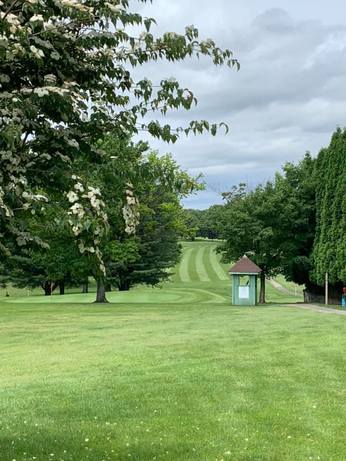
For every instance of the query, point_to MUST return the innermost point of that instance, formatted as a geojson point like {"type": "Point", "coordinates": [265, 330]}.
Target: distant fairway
{"type": "Point", "coordinates": [200, 263]}
{"type": "Point", "coordinates": [199, 278]}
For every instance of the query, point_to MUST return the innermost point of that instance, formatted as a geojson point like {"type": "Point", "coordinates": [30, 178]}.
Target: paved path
{"type": "Point", "coordinates": [316, 308]}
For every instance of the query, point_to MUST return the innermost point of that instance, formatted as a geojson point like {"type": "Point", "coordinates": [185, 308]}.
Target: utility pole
{"type": "Point", "coordinates": [326, 290]}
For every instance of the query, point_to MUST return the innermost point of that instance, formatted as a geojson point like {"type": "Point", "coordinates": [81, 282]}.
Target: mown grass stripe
{"type": "Point", "coordinates": [207, 264]}
{"type": "Point", "coordinates": [200, 268]}
{"type": "Point", "coordinates": [216, 266]}
{"type": "Point", "coordinates": [184, 274]}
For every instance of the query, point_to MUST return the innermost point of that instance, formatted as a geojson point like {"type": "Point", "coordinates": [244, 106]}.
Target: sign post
{"type": "Point", "coordinates": [326, 290]}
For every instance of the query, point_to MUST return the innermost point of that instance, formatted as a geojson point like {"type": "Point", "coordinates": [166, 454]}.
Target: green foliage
{"type": "Point", "coordinates": [329, 254]}
{"type": "Point", "coordinates": [65, 76]}
{"type": "Point", "coordinates": [147, 256]}
{"type": "Point", "coordinates": [296, 224]}
{"type": "Point", "coordinates": [275, 223]}
{"type": "Point", "coordinates": [250, 225]}
{"type": "Point", "coordinates": [205, 223]}
{"type": "Point", "coordinates": [47, 266]}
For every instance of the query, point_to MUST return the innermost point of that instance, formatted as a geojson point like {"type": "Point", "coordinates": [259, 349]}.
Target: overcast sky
{"type": "Point", "coordinates": [287, 98]}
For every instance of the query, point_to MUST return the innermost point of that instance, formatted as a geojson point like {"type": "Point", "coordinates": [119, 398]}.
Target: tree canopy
{"type": "Point", "coordinates": [329, 252]}
{"type": "Point", "coordinates": [65, 75]}
{"type": "Point", "coordinates": [296, 224]}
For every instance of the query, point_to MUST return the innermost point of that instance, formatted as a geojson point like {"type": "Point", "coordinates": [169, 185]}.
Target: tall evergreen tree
{"type": "Point", "coordinates": [329, 253]}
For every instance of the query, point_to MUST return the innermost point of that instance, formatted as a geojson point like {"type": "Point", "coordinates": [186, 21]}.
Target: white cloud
{"type": "Point", "coordinates": [287, 98]}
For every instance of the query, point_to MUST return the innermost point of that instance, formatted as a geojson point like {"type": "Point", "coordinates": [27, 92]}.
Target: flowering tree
{"type": "Point", "coordinates": [65, 76]}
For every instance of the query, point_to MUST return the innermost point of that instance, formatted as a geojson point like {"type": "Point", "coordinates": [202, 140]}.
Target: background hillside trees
{"type": "Point", "coordinates": [295, 225]}
{"type": "Point", "coordinates": [250, 222]}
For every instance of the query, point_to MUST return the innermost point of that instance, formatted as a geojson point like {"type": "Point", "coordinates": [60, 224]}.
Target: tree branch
{"type": "Point", "coordinates": [10, 8]}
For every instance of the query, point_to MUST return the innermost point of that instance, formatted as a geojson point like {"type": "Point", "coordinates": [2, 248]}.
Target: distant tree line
{"type": "Point", "coordinates": [204, 223]}
{"type": "Point", "coordinates": [294, 225]}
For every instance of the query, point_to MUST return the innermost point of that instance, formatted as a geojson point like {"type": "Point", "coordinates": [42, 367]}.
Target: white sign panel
{"type": "Point", "coordinates": [244, 292]}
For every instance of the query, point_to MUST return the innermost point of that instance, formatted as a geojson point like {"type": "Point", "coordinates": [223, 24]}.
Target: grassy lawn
{"type": "Point", "coordinates": [290, 285]}
{"type": "Point", "coordinates": [189, 378]}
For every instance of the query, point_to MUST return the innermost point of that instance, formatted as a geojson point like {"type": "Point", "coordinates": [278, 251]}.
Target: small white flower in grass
{"type": "Point", "coordinates": [86, 440]}
{"type": "Point", "coordinates": [289, 437]}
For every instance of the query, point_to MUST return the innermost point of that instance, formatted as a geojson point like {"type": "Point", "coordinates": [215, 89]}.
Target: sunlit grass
{"type": "Point", "coordinates": [172, 373]}
{"type": "Point", "coordinates": [188, 382]}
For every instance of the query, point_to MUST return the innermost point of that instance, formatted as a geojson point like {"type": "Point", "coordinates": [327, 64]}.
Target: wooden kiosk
{"type": "Point", "coordinates": [244, 282]}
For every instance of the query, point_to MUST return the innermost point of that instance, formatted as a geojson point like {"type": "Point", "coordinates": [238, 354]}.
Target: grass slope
{"type": "Point", "coordinates": [170, 374]}
{"type": "Point", "coordinates": [168, 382]}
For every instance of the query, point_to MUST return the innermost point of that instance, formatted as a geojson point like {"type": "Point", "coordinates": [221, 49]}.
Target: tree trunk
{"type": "Point", "coordinates": [47, 286]}
{"type": "Point", "coordinates": [53, 286]}
{"type": "Point", "coordinates": [101, 292]}
{"type": "Point", "coordinates": [85, 287]}
{"type": "Point", "coordinates": [62, 288]}
{"type": "Point", "coordinates": [262, 295]}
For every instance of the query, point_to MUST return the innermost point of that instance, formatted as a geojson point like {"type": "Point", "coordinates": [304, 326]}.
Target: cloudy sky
{"type": "Point", "coordinates": [287, 98]}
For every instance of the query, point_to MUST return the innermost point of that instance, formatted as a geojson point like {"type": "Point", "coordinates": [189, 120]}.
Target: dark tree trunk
{"type": "Point", "coordinates": [101, 292]}
{"type": "Point", "coordinates": [54, 285]}
{"type": "Point", "coordinates": [262, 294]}
{"type": "Point", "coordinates": [62, 288]}
{"type": "Point", "coordinates": [47, 286]}
{"type": "Point", "coordinates": [85, 287]}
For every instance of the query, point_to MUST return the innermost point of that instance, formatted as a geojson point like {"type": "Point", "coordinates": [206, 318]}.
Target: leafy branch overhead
{"type": "Point", "coordinates": [66, 80]}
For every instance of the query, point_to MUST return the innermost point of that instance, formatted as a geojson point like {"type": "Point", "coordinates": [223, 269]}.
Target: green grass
{"type": "Point", "coordinates": [182, 378]}
{"type": "Point", "coordinates": [297, 289]}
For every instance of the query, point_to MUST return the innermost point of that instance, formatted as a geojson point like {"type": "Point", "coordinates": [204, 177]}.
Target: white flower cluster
{"type": "Point", "coordinates": [36, 18]}
{"type": "Point", "coordinates": [114, 8]}
{"type": "Point", "coordinates": [130, 211]}
{"type": "Point", "coordinates": [12, 20]}
{"type": "Point", "coordinates": [88, 219]}
{"type": "Point", "coordinates": [75, 4]}
{"type": "Point", "coordinates": [36, 52]}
